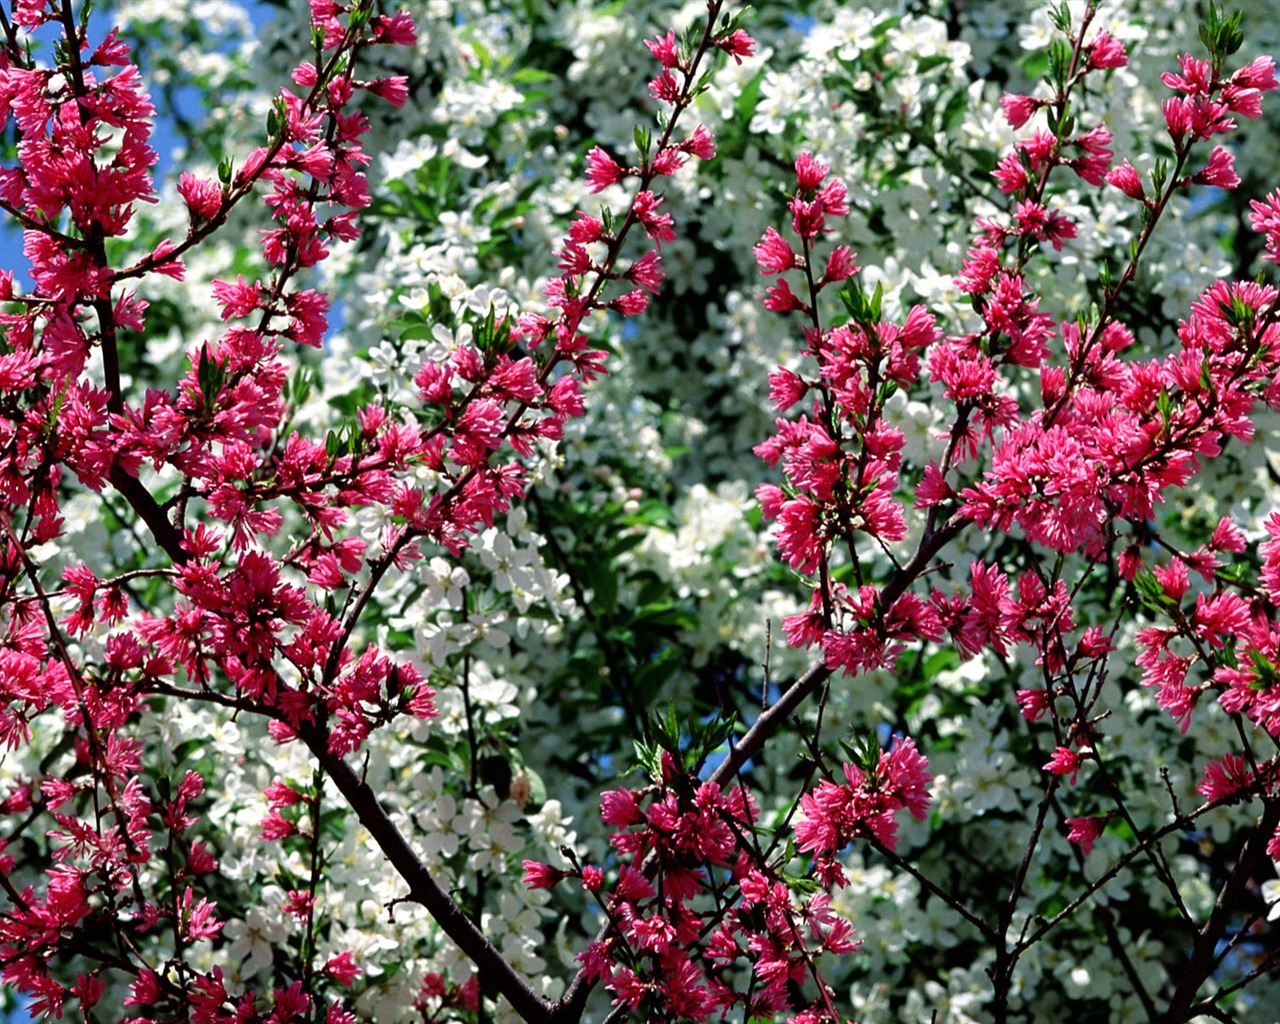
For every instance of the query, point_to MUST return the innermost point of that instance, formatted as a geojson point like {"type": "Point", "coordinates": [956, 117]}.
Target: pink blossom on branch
{"type": "Point", "coordinates": [602, 170]}
{"type": "Point", "coordinates": [865, 804]}
{"type": "Point", "coordinates": [1085, 831]}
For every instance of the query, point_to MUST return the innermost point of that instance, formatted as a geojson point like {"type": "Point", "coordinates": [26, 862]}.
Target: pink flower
{"type": "Point", "coordinates": [29, 14]}
{"type": "Point", "coordinates": [667, 160]}
{"type": "Point", "coordinates": [657, 225]}
{"type": "Point", "coordinates": [780, 298]}
{"type": "Point", "coordinates": [88, 989]}
{"type": "Point", "coordinates": [631, 303]}
{"type": "Point", "coordinates": [394, 30]}
{"type": "Point", "coordinates": [343, 968]}
{"type": "Point", "coordinates": [785, 389]}
{"type": "Point", "coordinates": [904, 774]}
{"type": "Point", "coordinates": [541, 876]}
{"type": "Point", "coordinates": [1033, 704]}
{"type": "Point", "coordinates": [1126, 179]}
{"type": "Point", "coordinates": [1219, 171]}
{"type": "Point", "coordinates": [834, 198]}
{"type": "Point", "coordinates": [1065, 761]}
{"type": "Point", "coordinates": [1227, 537]}
{"type": "Point", "coordinates": [1178, 113]}
{"type": "Point", "coordinates": [1018, 109]}
{"type": "Point", "coordinates": [665, 49]}
{"type": "Point", "coordinates": [238, 299]}
{"type": "Point", "coordinates": [1196, 77]}
{"type": "Point", "coordinates": [840, 264]}
{"type": "Point", "coordinates": [1173, 578]}
{"type": "Point", "coordinates": [276, 827]}
{"type": "Point", "coordinates": [198, 918]}
{"type": "Point", "coordinates": [585, 229]}
{"type": "Point", "coordinates": [1259, 73]}
{"type": "Point", "coordinates": [202, 196]}
{"type": "Point", "coordinates": [1227, 775]}
{"type": "Point", "coordinates": [700, 143]}
{"type": "Point", "coordinates": [1058, 228]}
{"type": "Point", "coordinates": [647, 272]}
{"type": "Point", "coordinates": [1093, 166]}
{"type": "Point", "coordinates": [737, 44]}
{"type": "Point", "coordinates": [299, 904]}
{"type": "Point", "coordinates": [774, 253]}
{"type": "Point", "coordinates": [145, 989]}
{"type": "Point", "coordinates": [665, 88]}
{"type": "Point", "coordinates": [602, 170]}
{"type": "Point", "coordinates": [1106, 52]}
{"type": "Point", "coordinates": [799, 532]}
{"type": "Point", "coordinates": [394, 89]}
{"type": "Point", "coordinates": [1011, 174]}
{"type": "Point", "coordinates": [809, 172]}
{"type": "Point", "coordinates": [1031, 217]}
{"type": "Point", "coordinates": [808, 219]}
{"type": "Point", "coordinates": [618, 807]}
{"type": "Point", "coordinates": [1085, 831]}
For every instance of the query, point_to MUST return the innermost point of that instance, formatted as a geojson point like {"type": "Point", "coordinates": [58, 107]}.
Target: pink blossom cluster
{"type": "Point", "coordinates": [833, 815]}
{"type": "Point", "coordinates": [841, 461]}
{"type": "Point", "coordinates": [1113, 437]}
{"type": "Point", "coordinates": [1060, 442]}
{"type": "Point", "coordinates": [239, 615]}
{"type": "Point", "coordinates": [254, 621]}
{"type": "Point", "coordinates": [487, 402]}
{"type": "Point", "coordinates": [1081, 471]}
{"type": "Point", "coordinates": [694, 898]}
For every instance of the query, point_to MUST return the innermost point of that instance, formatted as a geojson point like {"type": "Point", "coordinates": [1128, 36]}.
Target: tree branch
{"type": "Point", "coordinates": [1200, 965]}
{"type": "Point", "coordinates": [168, 536]}
{"type": "Point", "coordinates": [771, 720]}
{"type": "Point", "coordinates": [423, 888]}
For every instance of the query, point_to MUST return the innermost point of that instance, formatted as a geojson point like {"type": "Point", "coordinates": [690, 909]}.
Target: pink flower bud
{"type": "Point", "coordinates": [1126, 179]}
{"type": "Point", "coordinates": [1018, 109]}
{"type": "Point", "coordinates": [1085, 831]}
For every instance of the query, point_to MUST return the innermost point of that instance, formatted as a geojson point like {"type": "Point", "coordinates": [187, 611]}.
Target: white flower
{"type": "Point", "coordinates": [1271, 894]}
{"type": "Point", "coordinates": [255, 937]}
{"type": "Point", "coordinates": [442, 826]}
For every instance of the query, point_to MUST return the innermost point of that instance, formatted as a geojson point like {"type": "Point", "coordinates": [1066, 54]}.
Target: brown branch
{"type": "Point", "coordinates": [772, 720]}
{"type": "Point", "coordinates": [168, 536]}
{"type": "Point", "coordinates": [1201, 964]}
{"type": "Point", "coordinates": [424, 889]}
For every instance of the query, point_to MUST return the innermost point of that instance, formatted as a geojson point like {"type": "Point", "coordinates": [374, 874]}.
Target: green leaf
{"type": "Point", "coordinates": [926, 64]}
{"type": "Point", "coordinates": [417, 332]}
{"type": "Point", "coordinates": [649, 759]}
{"type": "Point", "coordinates": [210, 375]}
{"type": "Point", "coordinates": [603, 581]}
{"type": "Point", "coordinates": [801, 886]}
{"type": "Point", "coordinates": [954, 110]}
{"type": "Point", "coordinates": [643, 139]}
{"type": "Point", "coordinates": [299, 386]}
{"type": "Point", "coordinates": [1059, 64]}
{"type": "Point", "coordinates": [666, 615]}
{"type": "Point", "coordinates": [1164, 405]}
{"type": "Point", "coordinates": [1151, 593]}
{"type": "Point", "coordinates": [1267, 672]}
{"type": "Point", "coordinates": [525, 76]}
